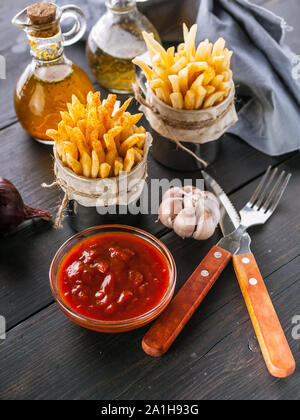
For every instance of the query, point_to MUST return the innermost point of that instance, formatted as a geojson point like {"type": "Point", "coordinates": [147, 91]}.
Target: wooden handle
{"type": "Point", "coordinates": [162, 334]}
{"type": "Point", "coordinates": [272, 340]}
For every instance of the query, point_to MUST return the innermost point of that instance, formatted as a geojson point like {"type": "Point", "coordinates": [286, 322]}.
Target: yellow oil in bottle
{"type": "Point", "coordinates": [113, 73]}
{"type": "Point", "coordinates": [42, 93]}
{"type": "Point", "coordinates": [114, 41]}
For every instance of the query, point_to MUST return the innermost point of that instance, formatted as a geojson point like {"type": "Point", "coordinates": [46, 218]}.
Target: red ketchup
{"type": "Point", "coordinates": [113, 277]}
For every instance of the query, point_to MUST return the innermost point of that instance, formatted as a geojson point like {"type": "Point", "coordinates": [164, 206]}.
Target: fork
{"type": "Point", "coordinates": [274, 346]}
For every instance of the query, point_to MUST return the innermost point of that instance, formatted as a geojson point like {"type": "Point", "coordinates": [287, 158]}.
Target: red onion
{"type": "Point", "coordinates": [13, 211]}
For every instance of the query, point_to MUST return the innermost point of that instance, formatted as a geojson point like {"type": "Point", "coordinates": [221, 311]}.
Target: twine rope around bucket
{"type": "Point", "coordinates": [70, 191]}
{"type": "Point", "coordinates": [169, 122]}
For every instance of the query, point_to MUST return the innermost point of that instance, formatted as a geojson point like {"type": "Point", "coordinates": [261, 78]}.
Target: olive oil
{"type": "Point", "coordinates": [40, 96]}
{"type": "Point", "coordinates": [114, 42]}
{"type": "Point", "coordinates": [48, 82]}
{"type": "Point", "coordinates": [113, 73]}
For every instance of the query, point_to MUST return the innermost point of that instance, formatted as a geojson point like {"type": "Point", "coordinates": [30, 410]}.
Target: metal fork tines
{"type": "Point", "coordinates": [266, 197]}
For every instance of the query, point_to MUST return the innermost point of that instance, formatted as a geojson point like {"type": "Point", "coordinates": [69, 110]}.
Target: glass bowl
{"type": "Point", "coordinates": [112, 326]}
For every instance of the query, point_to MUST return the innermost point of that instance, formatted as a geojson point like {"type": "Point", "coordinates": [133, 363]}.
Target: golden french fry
{"type": "Point", "coordinates": [86, 163]}
{"type": "Point", "coordinates": [76, 109]}
{"type": "Point", "coordinates": [97, 146]}
{"type": "Point", "coordinates": [66, 117]}
{"type": "Point", "coordinates": [140, 130]}
{"type": "Point", "coordinates": [200, 96]}
{"type": "Point", "coordinates": [118, 167]}
{"type": "Point", "coordinates": [92, 124]}
{"type": "Point", "coordinates": [70, 148]}
{"type": "Point", "coordinates": [225, 87]}
{"type": "Point", "coordinates": [184, 80]}
{"type": "Point", "coordinates": [189, 100]}
{"type": "Point", "coordinates": [163, 95]}
{"type": "Point", "coordinates": [204, 51]}
{"type": "Point", "coordinates": [76, 136]}
{"type": "Point", "coordinates": [209, 75]}
{"type": "Point", "coordinates": [141, 143]}
{"type": "Point", "coordinates": [53, 134]}
{"type": "Point", "coordinates": [95, 165]}
{"type": "Point", "coordinates": [138, 157]}
{"type": "Point", "coordinates": [177, 100]}
{"type": "Point", "coordinates": [158, 66]}
{"type": "Point", "coordinates": [129, 160]}
{"type": "Point", "coordinates": [156, 46]}
{"type": "Point", "coordinates": [179, 65]}
{"type": "Point", "coordinates": [130, 142]}
{"type": "Point", "coordinates": [109, 139]}
{"type": "Point", "coordinates": [93, 99]}
{"type": "Point", "coordinates": [211, 100]}
{"type": "Point", "coordinates": [227, 75]}
{"type": "Point", "coordinates": [226, 63]}
{"type": "Point", "coordinates": [102, 126]}
{"type": "Point", "coordinates": [157, 83]}
{"type": "Point", "coordinates": [111, 157]}
{"type": "Point", "coordinates": [198, 82]}
{"type": "Point", "coordinates": [218, 48]}
{"type": "Point", "coordinates": [104, 170]}
{"type": "Point", "coordinates": [134, 119]}
{"type": "Point", "coordinates": [181, 48]}
{"type": "Point", "coordinates": [195, 68]}
{"type": "Point", "coordinates": [217, 80]}
{"type": "Point", "coordinates": [74, 164]}
{"type": "Point", "coordinates": [81, 124]}
{"type": "Point", "coordinates": [170, 54]}
{"type": "Point", "coordinates": [146, 69]}
{"type": "Point", "coordinates": [122, 109]}
{"type": "Point", "coordinates": [174, 80]}
{"type": "Point", "coordinates": [190, 42]}
{"type": "Point", "coordinates": [209, 90]}
{"type": "Point", "coordinates": [218, 63]}
{"type": "Point", "coordinates": [108, 107]}
{"type": "Point", "coordinates": [138, 150]}
{"type": "Point", "coordinates": [119, 159]}
{"type": "Point", "coordinates": [185, 33]}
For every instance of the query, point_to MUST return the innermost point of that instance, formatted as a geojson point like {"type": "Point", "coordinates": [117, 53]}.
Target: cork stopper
{"type": "Point", "coordinates": [41, 13]}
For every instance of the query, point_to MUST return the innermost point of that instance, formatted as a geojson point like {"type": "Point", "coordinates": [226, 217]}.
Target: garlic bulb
{"type": "Point", "coordinates": [190, 212]}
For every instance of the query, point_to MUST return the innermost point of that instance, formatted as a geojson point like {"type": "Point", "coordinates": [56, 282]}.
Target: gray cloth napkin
{"type": "Point", "coordinates": [265, 70]}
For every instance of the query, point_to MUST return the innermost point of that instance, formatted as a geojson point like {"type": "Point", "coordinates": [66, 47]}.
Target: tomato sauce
{"type": "Point", "coordinates": [113, 277]}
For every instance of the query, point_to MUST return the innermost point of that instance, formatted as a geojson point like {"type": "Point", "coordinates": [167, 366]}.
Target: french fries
{"type": "Point", "coordinates": [191, 77]}
{"type": "Point", "coordinates": [95, 142]}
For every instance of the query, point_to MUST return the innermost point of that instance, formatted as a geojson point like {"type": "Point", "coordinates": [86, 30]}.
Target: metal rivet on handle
{"type": "Point", "coordinates": [253, 282]}
{"type": "Point", "coordinates": [218, 254]}
{"type": "Point", "coordinates": [245, 260]}
{"type": "Point", "coordinates": [204, 273]}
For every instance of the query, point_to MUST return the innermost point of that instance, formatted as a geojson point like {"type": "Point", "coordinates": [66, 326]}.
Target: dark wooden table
{"type": "Point", "coordinates": [45, 356]}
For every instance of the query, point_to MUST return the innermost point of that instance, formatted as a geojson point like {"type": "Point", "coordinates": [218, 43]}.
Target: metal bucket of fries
{"type": "Point", "coordinates": [100, 162]}
{"type": "Point", "coordinates": [188, 99]}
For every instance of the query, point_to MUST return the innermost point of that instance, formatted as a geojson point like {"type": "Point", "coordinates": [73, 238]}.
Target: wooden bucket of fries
{"type": "Point", "coordinates": [188, 99]}
{"type": "Point", "coordinates": [100, 161]}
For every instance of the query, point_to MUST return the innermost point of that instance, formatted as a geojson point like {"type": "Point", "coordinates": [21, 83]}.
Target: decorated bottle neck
{"type": "Point", "coordinates": [120, 6]}
{"type": "Point", "coordinates": [46, 47]}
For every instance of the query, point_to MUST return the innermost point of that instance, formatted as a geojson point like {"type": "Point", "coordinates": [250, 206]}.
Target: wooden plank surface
{"type": "Point", "coordinates": [38, 344]}
{"type": "Point", "coordinates": [22, 281]}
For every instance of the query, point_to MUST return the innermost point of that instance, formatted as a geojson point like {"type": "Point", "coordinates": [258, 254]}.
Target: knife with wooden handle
{"type": "Point", "coordinates": [273, 343]}
{"type": "Point", "coordinates": [275, 348]}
